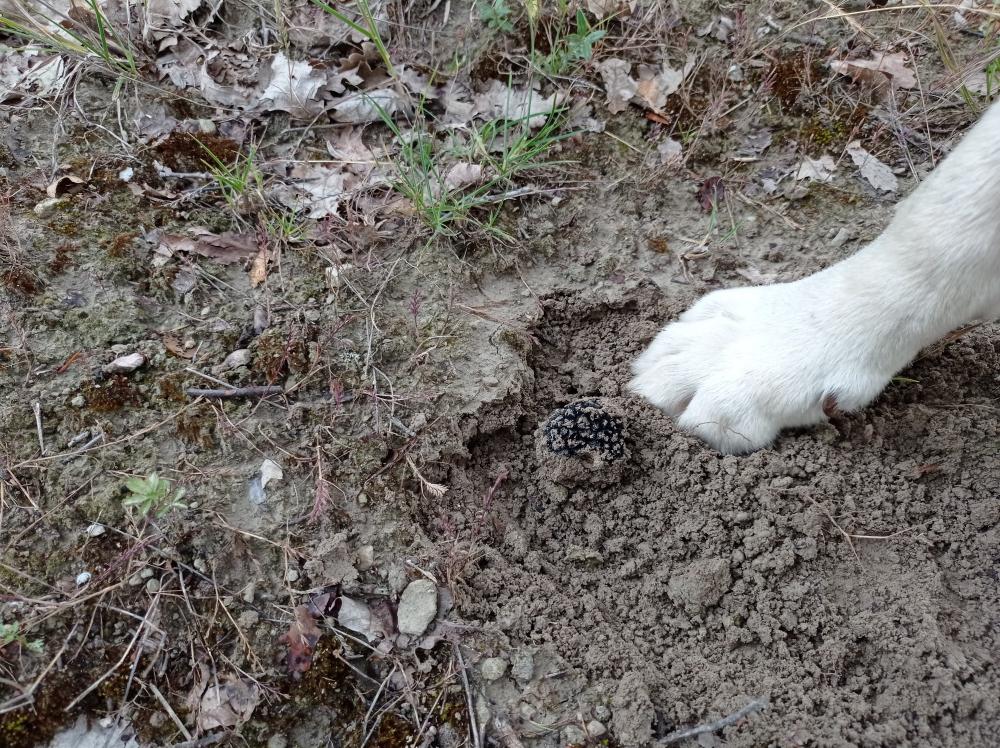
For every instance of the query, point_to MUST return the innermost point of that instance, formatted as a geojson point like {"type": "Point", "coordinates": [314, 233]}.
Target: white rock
{"type": "Point", "coordinates": [48, 206]}
{"type": "Point", "coordinates": [95, 530]}
{"type": "Point", "coordinates": [417, 607]}
{"type": "Point", "coordinates": [237, 358]}
{"type": "Point", "coordinates": [269, 471]}
{"type": "Point", "coordinates": [82, 578]}
{"type": "Point", "coordinates": [595, 729]}
{"type": "Point", "coordinates": [125, 364]}
{"type": "Point", "coordinates": [153, 586]}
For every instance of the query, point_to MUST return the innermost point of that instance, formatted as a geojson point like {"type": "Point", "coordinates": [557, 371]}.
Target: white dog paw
{"type": "Point", "coordinates": [744, 363]}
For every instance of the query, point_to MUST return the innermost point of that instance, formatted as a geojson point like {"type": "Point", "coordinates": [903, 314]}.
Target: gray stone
{"type": "Point", "coordinates": [417, 607]}
{"type": "Point", "coordinates": [493, 668]}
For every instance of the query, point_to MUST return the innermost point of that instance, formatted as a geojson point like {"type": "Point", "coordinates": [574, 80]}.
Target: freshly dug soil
{"type": "Point", "coordinates": [849, 575]}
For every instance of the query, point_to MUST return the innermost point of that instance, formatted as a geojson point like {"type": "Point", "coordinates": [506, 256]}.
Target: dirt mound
{"type": "Point", "coordinates": [848, 575]}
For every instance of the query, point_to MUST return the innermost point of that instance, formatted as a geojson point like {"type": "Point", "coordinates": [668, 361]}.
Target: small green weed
{"type": "Point", "coordinates": [496, 15]}
{"type": "Point", "coordinates": [151, 495]}
{"type": "Point", "coordinates": [10, 633]}
{"type": "Point", "coordinates": [565, 51]}
{"type": "Point", "coordinates": [992, 78]}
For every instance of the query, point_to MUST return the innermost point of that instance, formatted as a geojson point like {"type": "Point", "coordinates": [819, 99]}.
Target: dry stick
{"type": "Point", "coordinates": [234, 392]}
{"type": "Point", "coordinates": [473, 727]}
{"type": "Point", "coordinates": [675, 737]}
{"type": "Point", "coordinates": [112, 669]}
{"type": "Point", "coordinates": [170, 711]}
{"type": "Point", "coordinates": [843, 532]}
{"type": "Point", "coordinates": [37, 408]}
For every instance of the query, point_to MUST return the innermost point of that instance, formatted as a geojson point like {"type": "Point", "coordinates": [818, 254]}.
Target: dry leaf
{"type": "Point", "coordinates": [163, 17]}
{"type": "Point", "coordinates": [655, 86]}
{"type": "Point", "coordinates": [228, 705]}
{"type": "Point", "coordinates": [878, 174]}
{"type": "Point", "coordinates": [174, 346]}
{"type": "Point", "coordinates": [293, 86]}
{"type": "Point", "coordinates": [619, 86]}
{"type": "Point", "coordinates": [711, 192]}
{"type": "Point", "coordinates": [225, 248]}
{"type": "Point", "coordinates": [369, 106]}
{"type": "Point", "coordinates": [315, 189]}
{"type": "Point", "coordinates": [817, 169]}
{"type": "Point", "coordinates": [462, 175]}
{"type": "Point", "coordinates": [500, 101]}
{"type": "Point", "coordinates": [301, 639]}
{"type": "Point", "coordinates": [29, 72]}
{"type": "Point", "coordinates": [601, 8]}
{"type": "Point", "coordinates": [258, 269]}
{"type": "Point", "coordinates": [67, 184]}
{"type": "Point", "coordinates": [892, 65]}
{"type": "Point", "coordinates": [668, 153]}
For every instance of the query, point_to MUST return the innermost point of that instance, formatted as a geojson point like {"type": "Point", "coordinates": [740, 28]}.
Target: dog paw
{"type": "Point", "coordinates": [744, 363]}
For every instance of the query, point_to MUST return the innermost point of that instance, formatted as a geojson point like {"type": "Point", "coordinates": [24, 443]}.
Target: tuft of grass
{"type": "Point", "coordinates": [369, 30]}
{"type": "Point", "coordinates": [235, 180]}
{"type": "Point", "coordinates": [65, 36]}
{"type": "Point", "coordinates": [505, 149]}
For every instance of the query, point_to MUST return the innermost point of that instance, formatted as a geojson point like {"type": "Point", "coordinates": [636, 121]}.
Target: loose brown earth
{"type": "Point", "coordinates": [850, 575]}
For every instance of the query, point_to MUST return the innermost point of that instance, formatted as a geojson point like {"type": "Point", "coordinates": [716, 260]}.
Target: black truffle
{"type": "Point", "coordinates": [584, 426]}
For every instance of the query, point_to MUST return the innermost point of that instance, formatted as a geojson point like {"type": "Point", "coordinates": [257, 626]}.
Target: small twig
{"type": "Point", "coordinates": [843, 532]}
{"type": "Point", "coordinates": [720, 724]}
{"type": "Point", "coordinates": [170, 711]}
{"type": "Point", "coordinates": [37, 408]}
{"type": "Point", "coordinates": [470, 704]}
{"type": "Point", "coordinates": [259, 391]}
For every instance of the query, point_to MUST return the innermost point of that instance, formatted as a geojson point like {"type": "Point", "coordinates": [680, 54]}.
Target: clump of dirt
{"type": "Point", "coordinates": [848, 574]}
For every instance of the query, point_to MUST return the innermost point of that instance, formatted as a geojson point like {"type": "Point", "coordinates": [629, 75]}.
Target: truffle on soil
{"type": "Point", "coordinates": [585, 426]}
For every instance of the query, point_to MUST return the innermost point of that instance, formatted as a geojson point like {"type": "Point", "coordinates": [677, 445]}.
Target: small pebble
{"type": "Point", "coordinates": [96, 529]}
{"type": "Point", "coordinates": [602, 712]}
{"type": "Point", "coordinates": [125, 364]}
{"type": "Point", "coordinates": [48, 206]}
{"type": "Point", "coordinates": [82, 578]}
{"type": "Point", "coordinates": [248, 593]}
{"type": "Point", "coordinates": [364, 558]}
{"type": "Point", "coordinates": [292, 575]}
{"type": "Point", "coordinates": [135, 580]}
{"type": "Point", "coordinates": [78, 401]}
{"type": "Point", "coordinates": [417, 607]}
{"type": "Point", "coordinates": [573, 735]}
{"type": "Point", "coordinates": [362, 499]}
{"type": "Point", "coordinates": [491, 381]}
{"type": "Point", "coordinates": [146, 573]}
{"type": "Point", "coordinates": [493, 668]}
{"type": "Point", "coordinates": [200, 565]}
{"type": "Point", "coordinates": [234, 360]}
{"type": "Point", "coordinates": [153, 586]}
{"type": "Point", "coordinates": [841, 237]}
{"type": "Point", "coordinates": [595, 729]}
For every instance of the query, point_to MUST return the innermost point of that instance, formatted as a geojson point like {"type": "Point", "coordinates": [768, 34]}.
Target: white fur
{"type": "Point", "coordinates": [744, 363]}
